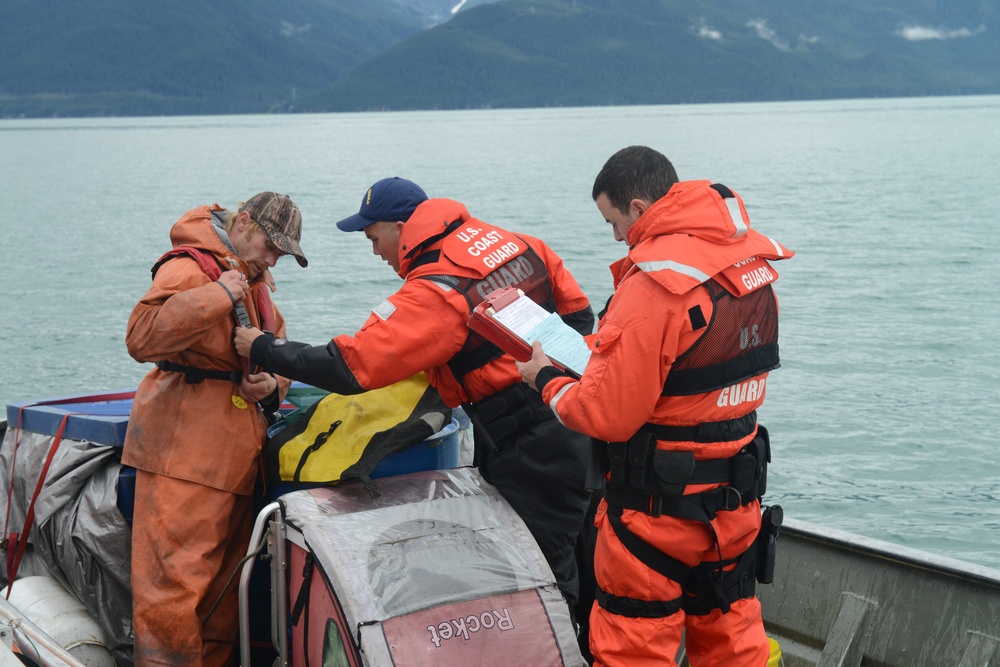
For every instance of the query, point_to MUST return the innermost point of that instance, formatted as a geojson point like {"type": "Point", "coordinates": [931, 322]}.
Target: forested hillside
{"type": "Point", "coordinates": [121, 57]}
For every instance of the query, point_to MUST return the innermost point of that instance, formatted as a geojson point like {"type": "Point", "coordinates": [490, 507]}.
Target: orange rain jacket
{"type": "Point", "coordinates": [196, 432]}
{"type": "Point", "coordinates": [196, 449]}
{"type": "Point", "coordinates": [687, 237]}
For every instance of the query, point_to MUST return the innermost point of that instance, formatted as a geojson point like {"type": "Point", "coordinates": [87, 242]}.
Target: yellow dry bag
{"type": "Point", "coordinates": [344, 437]}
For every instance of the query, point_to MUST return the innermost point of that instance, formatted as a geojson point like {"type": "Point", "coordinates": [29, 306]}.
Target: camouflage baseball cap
{"type": "Point", "coordinates": [280, 219]}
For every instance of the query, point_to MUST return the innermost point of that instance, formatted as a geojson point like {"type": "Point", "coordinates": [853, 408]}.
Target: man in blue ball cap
{"type": "Point", "coordinates": [450, 262]}
{"type": "Point", "coordinates": [390, 199]}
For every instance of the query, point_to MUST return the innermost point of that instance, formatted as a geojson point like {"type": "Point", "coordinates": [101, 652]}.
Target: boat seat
{"type": "Point", "coordinates": [845, 645]}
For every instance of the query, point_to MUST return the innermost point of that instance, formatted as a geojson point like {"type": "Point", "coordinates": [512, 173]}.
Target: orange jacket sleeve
{"type": "Point", "coordinates": [414, 330]}
{"type": "Point", "coordinates": [635, 344]}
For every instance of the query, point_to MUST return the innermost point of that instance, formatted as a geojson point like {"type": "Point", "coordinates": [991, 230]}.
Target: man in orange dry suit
{"type": "Point", "coordinates": [198, 423]}
{"type": "Point", "coordinates": [450, 262]}
{"type": "Point", "coordinates": [678, 369]}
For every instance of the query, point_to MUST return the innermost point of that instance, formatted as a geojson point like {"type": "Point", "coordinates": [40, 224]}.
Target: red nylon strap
{"type": "Point", "coordinates": [16, 541]}
{"type": "Point", "coordinates": [265, 309]}
{"type": "Point", "coordinates": [90, 398]}
{"type": "Point", "coordinates": [209, 266]}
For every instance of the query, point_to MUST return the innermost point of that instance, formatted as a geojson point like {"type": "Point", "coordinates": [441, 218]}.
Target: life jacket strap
{"type": "Point", "coordinates": [635, 608]}
{"type": "Point", "coordinates": [452, 226]}
{"type": "Point", "coordinates": [429, 257]}
{"type": "Point", "coordinates": [194, 375]}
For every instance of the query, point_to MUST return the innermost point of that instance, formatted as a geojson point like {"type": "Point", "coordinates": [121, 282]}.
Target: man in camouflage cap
{"type": "Point", "coordinates": [198, 423]}
{"type": "Point", "coordinates": [280, 219]}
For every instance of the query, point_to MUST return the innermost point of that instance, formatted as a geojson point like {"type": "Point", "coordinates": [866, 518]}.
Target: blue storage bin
{"type": "Point", "coordinates": [435, 453]}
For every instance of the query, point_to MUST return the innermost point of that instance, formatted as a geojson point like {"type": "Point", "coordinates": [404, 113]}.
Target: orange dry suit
{"type": "Point", "coordinates": [195, 443]}
{"type": "Point", "coordinates": [450, 261]}
{"type": "Point", "coordinates": [680, 364]}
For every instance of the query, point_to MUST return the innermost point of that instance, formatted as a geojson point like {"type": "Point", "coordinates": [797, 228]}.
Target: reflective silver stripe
{"type": "Point", "coordinates": [445, 287]}
{"type": "Point", "coordinates": [777, 248]}
{"type": "Point", "coordinates": [737, 216]}
{"type": "Point", "coordinates": [555, 400]}
{"type": "Point", "coordinates": [669, 265]}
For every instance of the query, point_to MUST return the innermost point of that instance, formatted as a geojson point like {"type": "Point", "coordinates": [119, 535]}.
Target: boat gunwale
{"type": "Point", "coordinates": [910, 556]}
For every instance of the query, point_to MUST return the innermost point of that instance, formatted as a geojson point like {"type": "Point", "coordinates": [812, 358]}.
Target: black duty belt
{"type": "Point", "coordinates": [692, 506]}
{"type": "Point", "coordinates": [194, 375]}
{"type": "Point", "coordinates": [654, 481]}
{"type": "Point", "coordinates": [721, 431]}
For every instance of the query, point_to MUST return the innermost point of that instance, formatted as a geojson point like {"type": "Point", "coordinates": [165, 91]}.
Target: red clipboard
{"type": "Point", "coordinates": [493, 330]}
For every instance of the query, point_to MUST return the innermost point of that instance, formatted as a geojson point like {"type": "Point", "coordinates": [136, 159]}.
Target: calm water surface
{"type": "Point", "coordinates": [883, 415]}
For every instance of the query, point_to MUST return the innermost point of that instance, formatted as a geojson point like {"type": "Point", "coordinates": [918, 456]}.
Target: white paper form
{"type": "Point", "coordinates": [563, 344]}
{"type": "Point", "coordinates": [520, 315]}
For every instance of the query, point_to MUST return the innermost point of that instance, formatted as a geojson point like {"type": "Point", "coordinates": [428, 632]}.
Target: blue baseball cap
{"type": "Point", "coordinates": [389, 200]}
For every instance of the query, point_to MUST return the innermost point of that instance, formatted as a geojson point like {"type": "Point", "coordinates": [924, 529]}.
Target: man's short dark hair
{"type": "Point", "coordinates": [635, 172]}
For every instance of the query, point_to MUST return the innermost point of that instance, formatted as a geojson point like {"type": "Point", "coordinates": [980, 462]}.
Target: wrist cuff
{"type": "Point", "coordinates": [546, 375]}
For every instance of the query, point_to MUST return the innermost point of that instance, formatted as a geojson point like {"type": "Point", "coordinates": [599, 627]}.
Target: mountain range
{"type": "Point", "coordinates": [133, 58]}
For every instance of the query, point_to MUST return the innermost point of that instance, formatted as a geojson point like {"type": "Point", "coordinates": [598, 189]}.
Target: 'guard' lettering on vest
{"type": "Point", "coordinates": [463, 628]}
{"type": "Point", "coordinates": [743, 392]}
{"type": "Point", "coordinates": [759, 276]}
{"type": "Point", "coordinates": [512, 274]}
{"type": "Point", "coordinates": [502, 253]}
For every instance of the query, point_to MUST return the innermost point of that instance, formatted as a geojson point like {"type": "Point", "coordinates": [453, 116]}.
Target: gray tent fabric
{"type": "Point", "coordinates": [80, 537]}
{"type": "Point", "coordinates": [431, 542]}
